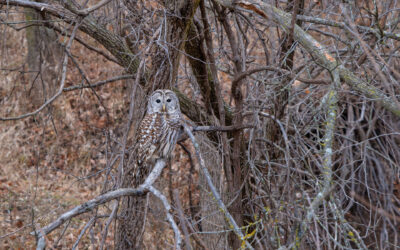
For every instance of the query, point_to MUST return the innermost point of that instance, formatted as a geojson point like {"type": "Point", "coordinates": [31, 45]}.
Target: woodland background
{"type": "Point", "coordinates": [295, 103]}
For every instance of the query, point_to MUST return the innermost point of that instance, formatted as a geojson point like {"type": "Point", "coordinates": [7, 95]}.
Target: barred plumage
{"type": "Point", "coordinates": [158, 132]}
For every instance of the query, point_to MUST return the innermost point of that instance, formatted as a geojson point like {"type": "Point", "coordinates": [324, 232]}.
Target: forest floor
{"type": "Point", "coordinates": [46, 159]}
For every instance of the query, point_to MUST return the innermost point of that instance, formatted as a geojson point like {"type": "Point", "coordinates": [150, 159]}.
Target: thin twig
{"type": "Point", "coordinates": [280, 70]}
{"type": "Point", "coordinates": [327, 157]}
{"type": "Point", "coordinates": [110, 219]}
{"type": "Point", "coordinates": [89, 224]}
{"type": "Point", "coordinates": [99, 83]}
{"type": "Point", "coordinates": [87, 11]}
{"type": "Point", "coordinates": [317, 50]}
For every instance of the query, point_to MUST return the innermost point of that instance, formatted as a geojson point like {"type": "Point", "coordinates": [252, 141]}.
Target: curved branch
{"type": "Point", "coordinates": [101, 199]}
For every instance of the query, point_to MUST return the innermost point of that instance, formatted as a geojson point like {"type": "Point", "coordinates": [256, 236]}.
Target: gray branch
{"type": "Point", "coordinates": [101, 199]}
{"type": "Point", "coordinates": [221, 205]}
{"type": "Point", "coordinates": [167, 206]}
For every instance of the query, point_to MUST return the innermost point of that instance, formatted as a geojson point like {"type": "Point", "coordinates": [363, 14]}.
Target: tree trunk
{"type": "Point", "coordinates": [43, 60]}
{"type": "Point", "coordinates": [165, 69]}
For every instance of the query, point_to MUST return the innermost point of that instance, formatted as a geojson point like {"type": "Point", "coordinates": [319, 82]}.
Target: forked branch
{"type": "Point", "coordinates": [112, 195]}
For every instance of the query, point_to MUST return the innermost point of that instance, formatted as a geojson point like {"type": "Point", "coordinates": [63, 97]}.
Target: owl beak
{"type": "Point", "coordinates": [163, 107]}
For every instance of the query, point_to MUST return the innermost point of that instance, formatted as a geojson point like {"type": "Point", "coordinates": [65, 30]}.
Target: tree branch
{"type": "Point", "coordinates": [87, 11]}
{"type": "Point", "coordinates": [280, 70]}
{"type": "Point", "coordinates": [167, 206]}
{"type": "Point", "coordinates": [99, 83]}
{"type": "Point", "coordinates": [327, 162]}
{"type": "Point", "coordinates": [222, 128]}
{"type": "Point", "coordinates": [223, 208]}
{"type": "Point", "coordinates": [342, 25]}
{"type": "Point", "coordinates": [60, 90]}
{"type": "Point", "coordinates": [101, 199]}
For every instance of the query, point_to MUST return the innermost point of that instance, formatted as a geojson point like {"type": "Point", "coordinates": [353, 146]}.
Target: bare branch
{"type": "Point", "coordinates": [98, 84]}
{"type": "Point", "coordinates": [167, 206]}
{"type": "Point", "coordinates": [342, 25]}
{"type": "Point", "coordinates": [60, 90]}
{"type": "Point", "coordinates": [228, 216]}
{"type": "Point", "coordinates": [222, 128]}
{"type": "Point", "coordinates": [87, 11]}
{"type": "Point", "coordinates": [377, 209]}
{"type": "Point", "coordinates": [280, 70]}
{"type": "Point", "coordinates": [101, 199]}
{"type": "Point", "coordinates": [182, 220]}
{"type": "Point", "coordinates": [327, 161]}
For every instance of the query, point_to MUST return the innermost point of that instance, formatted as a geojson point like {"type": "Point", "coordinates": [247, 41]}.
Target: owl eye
{"type": "Point", "coordinates": [158, 101]}
{"type": "Point", "coordinates": [168, 100]}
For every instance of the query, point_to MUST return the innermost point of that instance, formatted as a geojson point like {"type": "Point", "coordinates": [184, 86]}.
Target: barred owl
{"type": "Point", "coordinates": [158, 132]}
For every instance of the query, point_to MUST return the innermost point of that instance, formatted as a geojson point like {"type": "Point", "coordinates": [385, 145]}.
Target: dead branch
{"type": "Point", "coordinates": [99, 83]}
{"type": "Point", "coordinates": [377, 209]}
{"type": "Point", "coordinates": [280, 70]}
{"type": "Point", "coordinates": [342, 25]}
{"type": "Point", "coordinates": [222, 128]}
{"type": "Point", "coordinates": [228, 216]}
{"type": "Point", "coordinates": [99, 200]}
{"type": "Point", "coordinates": [88, 10]}
{"type": "Point", "coordinates": [327, 161]}
{"type": "Point", "coordinates": [167, 206]}
{"type": "Point", "coordinates": [182, 220]}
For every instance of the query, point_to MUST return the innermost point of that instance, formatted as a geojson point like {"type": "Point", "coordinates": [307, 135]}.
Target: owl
{"type": "Point", "coordinates": [158, 131]}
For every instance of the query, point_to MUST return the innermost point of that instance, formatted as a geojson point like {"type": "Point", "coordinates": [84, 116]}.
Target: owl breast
{"type": "Point", "coordinates": [158, 135]}
{"type": "Point", "coordinates": [169, 138]}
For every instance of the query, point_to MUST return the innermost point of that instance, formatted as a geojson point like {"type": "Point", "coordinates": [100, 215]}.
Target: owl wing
{"type": "Point", "coordinates": [150, 131]}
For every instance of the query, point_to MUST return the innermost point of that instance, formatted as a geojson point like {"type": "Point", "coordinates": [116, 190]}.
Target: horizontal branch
{"type": "Point", "coordinates": [98, 84]}
{"type": "Point", "coordinates": [87, 11]}
{"type": "Point", "coordinates": [280, 70]}
{"type": "Point", "coordinates": [342, 25]}
{"type": "Point", "coordinates": [89, 205]}
{"type": "Point", "coordinates": [222, 128]}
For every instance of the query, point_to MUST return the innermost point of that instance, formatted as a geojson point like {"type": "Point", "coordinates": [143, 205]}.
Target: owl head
{"type": "Point", "coordinates": [163, 101]}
